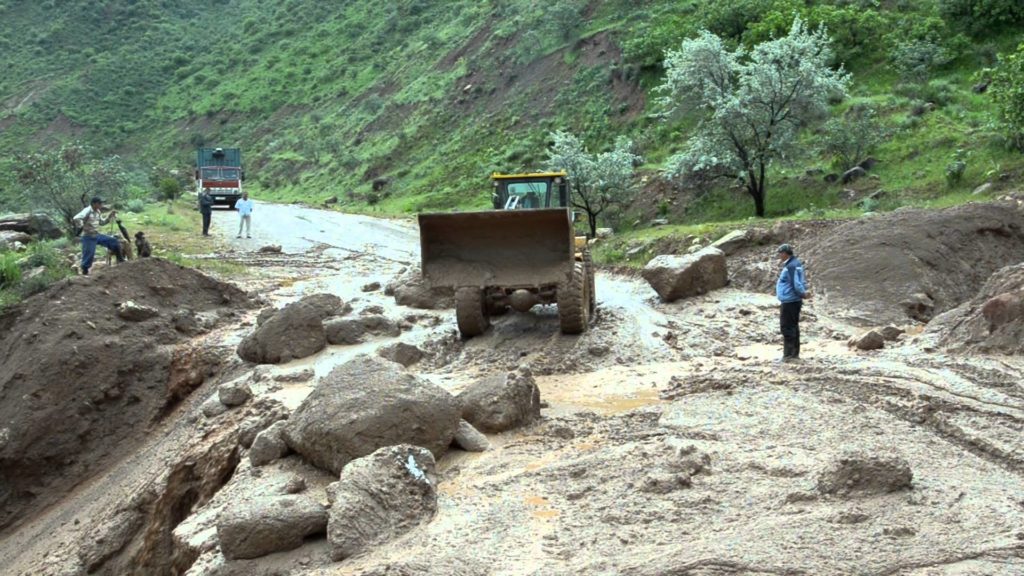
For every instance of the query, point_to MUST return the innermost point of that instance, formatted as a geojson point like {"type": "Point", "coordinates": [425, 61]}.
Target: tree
{"type": "Point", "coordinates": [1007, 90]}
{"type": "Point", "coordinates": [851, 137]}
{"type": "Point", "coordinates": [63, 181]}
{"type": "Point", "coordinates": [751, 105]}
{"type": "Point", "coordinates": [598, 182]}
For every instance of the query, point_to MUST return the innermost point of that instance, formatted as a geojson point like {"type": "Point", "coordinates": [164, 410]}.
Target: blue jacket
{"type": "Point", "coordinates": [791, 286]}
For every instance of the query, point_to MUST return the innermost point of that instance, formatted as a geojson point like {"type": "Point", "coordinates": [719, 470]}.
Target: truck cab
{"type": "Point", "coordinates": [220, 170]}
{"type": "Point", "coordinates": [530, 191]}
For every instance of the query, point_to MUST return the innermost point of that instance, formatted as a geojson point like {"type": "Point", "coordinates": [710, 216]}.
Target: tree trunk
{"type": "Point", "coordinates": [592, 222]}
{"type": "Point", "coordinates": [755, 187]}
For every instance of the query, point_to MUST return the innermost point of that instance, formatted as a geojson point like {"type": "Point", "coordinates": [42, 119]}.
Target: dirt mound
{"type": "Point", "coordinates": [914, 263]}
{"type": "Point", "coordinates": [77, 380]}
{"type": "Point", "coordinates": [993, 321]}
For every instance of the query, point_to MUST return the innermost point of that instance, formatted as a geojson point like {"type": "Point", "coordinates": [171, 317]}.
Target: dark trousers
{"type": "Point", "coordinates": [789, 319]}
{"type": "Point", "coordinates": [207, 212]}
{"type": "Point", "coordinates": [89, 248]}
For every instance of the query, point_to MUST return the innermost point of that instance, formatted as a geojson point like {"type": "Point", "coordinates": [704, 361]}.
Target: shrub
{"type": "Point", "coordinates": [136, 206]}
{"type": "Point", "coordinates": [10, 272]}
{"type": "Point", "coordinates": [915, 59]}
{"type": "Point", "coordinates": [850, 138]}
{"type": "Point", "coordinates": [981, 16]}
{"type": "Point", "coordinates": [955, 169]}
{"type": "Point", "coordinates": [1007, 90]}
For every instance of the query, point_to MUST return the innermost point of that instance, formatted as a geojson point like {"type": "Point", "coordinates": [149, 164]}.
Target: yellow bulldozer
{"type": "Point", "coordinates": [522, 253]}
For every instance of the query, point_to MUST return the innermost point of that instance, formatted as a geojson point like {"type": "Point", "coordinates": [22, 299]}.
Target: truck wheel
{"type": "Point", "coordinates": [591, 293]}
{"type": "Point", "coordinates": [573, 302]}
{"type": "Point", "coordinates": [471, 311]}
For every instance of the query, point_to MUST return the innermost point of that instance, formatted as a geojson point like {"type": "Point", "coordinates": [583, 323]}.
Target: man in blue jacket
{"type": "Point", "coordinates": [791, 289]}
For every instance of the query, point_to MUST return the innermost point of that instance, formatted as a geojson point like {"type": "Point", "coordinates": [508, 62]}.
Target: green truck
{"type": "Point", "coordinates": [220, 170]}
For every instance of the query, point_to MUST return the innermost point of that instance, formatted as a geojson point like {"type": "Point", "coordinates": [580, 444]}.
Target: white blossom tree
{"type": "Point", "coordinates": [597, 182]}
{"type": "Point", "coordinates": [752, 104]}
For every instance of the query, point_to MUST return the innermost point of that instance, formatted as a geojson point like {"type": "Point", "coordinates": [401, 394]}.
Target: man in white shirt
{"type": "Point", "coordinates": [244, 207]}
{"type": "Point", "coordinates": [89, 220]}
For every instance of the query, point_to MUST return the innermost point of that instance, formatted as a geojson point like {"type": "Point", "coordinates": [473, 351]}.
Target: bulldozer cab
{"type": "Point", "coordinates": [530, 191]}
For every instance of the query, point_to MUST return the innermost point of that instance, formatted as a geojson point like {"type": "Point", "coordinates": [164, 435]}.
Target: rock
{"type": "Point", "coordinates": [269, 445]}
{"type": "Point", "coordinates": [371, 287]}
{"type": "Point", "coordinates": [301, 375]}
{"type": "Point", "coordinates": [326, 304]}
{"type": "Point", "coordinates": [659, 222]}
{"type": "Point", "coordinates": [380, 497]}
{"type": "Point", "coordinates": [367, 403]}
{"type": "Point", "coordinates": [870, 340]}
{"type": "Point", "coordinates": [853, 174]}
{"type": "Point", "coordinates": [981, 87]}
{"type": "Point", "coordinates": [265, 411]}
{"type": "Point", "coordinates": [265, 314]}
{"type": "Point", "coordinates": [891, 333]}
{"type": "Point", "coordinates": [213, 407]}
{"type": "Point", "coordinates": [731, 242]}
{"type": "Point", "coordinates": [470, 439]}
{"type": "Point", "coordinates": [37, 225]}
{"type": "Point", "coordinates": [404, 354]}
{"type": "Point", "coordinates": [133, 312]}
{"type": "Point", "coordinates": [192, 323]}
{"type": "Point", "coordinates": [331, 200]}
{"type": "Point", "coordinates": [295, 485]}
{"type": "Point", "coordinates": [605, 232]}
{"type": "Point", "coordinates": [381, 325]}
{"type": "Point", "coordinates": [919, 307]}
{"type": "Point", "coordinates": [263, 525]}
{"type": "Point", "coordinates": [865, 475]}
{"type": "Point", "coordinates": [983, 189]}
{"type": "Point", "coordinates": [234, 393]}
{"type": "Point", "coordinates": [831, 178]}
{"type": "Point", "coordinates": [675, 277]}
{"type": "Point", "coordinates": [344, 330]}
{"type": "Point", "coordinates": [634, 252]}
{"type": "Point", "coordinates": [295, 331]}
{"type": "Point", "coordinates": [409, 289]}
{"type": "Point", "coordinates": [868, 163]}
{"type": "Point", "coordinates": [598, 350]}
{"type": "Point", "coordinates": [270, 249]}
{"type": "Point", "coordinates": [501, 402]}
{"type": "Point", "coordinates": [8, 238]}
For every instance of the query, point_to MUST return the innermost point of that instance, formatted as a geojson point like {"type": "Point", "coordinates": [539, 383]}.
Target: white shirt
{"type": "Point", "coordinates": [243, 206]}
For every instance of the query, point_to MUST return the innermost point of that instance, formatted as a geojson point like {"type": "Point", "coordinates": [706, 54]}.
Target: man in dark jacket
{"type": "Point", "coordinates": [206, 208]}
{"type": "Point", "coordinates": [791, 289]}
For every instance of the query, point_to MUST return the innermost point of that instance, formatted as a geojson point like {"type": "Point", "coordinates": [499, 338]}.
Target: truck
{"type": "Point", "coordinates": [220, 170]}
{"type": "Point", "coordinates": [521, 253]}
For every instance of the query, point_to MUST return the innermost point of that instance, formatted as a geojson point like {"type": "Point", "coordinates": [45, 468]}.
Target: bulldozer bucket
{"type": "Point", "coordinates": [508, 248]}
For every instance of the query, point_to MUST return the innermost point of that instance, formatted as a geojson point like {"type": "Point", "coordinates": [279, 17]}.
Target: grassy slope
{"type": "Point", "coordinates": [326, 97]}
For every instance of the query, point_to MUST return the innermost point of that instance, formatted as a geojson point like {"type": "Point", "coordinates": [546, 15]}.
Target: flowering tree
{"type": "Point", "coordinates": [598, 182]}
{"type": "Point", "coordinates": [752, 105]}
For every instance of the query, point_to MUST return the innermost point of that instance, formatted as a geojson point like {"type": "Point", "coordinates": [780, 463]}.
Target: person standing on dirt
{"type": "Point", "coordinates": [89, 221]}
{"type": "Point", "coordinates": [791, 289]}
{"type": "Point", "coordinates": [206, 208]}
{"type": "Point", "coordinates": [244, 207]}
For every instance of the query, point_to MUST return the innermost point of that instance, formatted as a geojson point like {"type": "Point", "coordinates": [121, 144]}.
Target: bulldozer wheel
{"type": "Point", "coordinates": [471, 311]}
{"type": "Point", "coordinates": [573, 302]}
{"type": "Point", "coordinates": [591, 293]}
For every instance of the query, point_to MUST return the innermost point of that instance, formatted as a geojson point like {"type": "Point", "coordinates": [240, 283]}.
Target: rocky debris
{"type": "Point", "coordinates": [380, 497]}
{"type": "Point", "coordinates": [501, 402]}
{"type": "Point", "coordinates": [404, 354]}
{"type": "Point", "coordinates": [270, 249]}
{"type": "Point", "coordinates": [192, 323]}
{"type": "Point", "coordinates": [659, 222]}
{"type": "Point", "coordinates": [605, 232]}
{"type": "Point", "coordinates": [250, 529]}
{"type": "Point", "coordinates": [992, 321]}
{"type": "Point", "coordinates": [10, 238]}
{"type": "Point", "coordinates": [675, 277]}
{"type": "Point", "coordinates": [982, 189]}
{"type": "Point", "coordinates": [852, 175]}
{"type": "Point", "coordinates": [913, 263]}
{"type": "Point", "coordinates": [327, 305]}
{"type": "Point", "coordinates": [300, 375]}
{"type": "Point", "coordinates": [349, 331]}
{"type": "Point", "coordinates": [70, 393]}
{"type": "Point", "coordinates": [265, 314]}
{"type": "Point", "coordinates": [409, 289]}
{"type": "Point", "coordinates": [133, 312]}
{"type": "Point", "coordinates": [295, 331]}
{"type": "Point", "coordinates": [265, 411]}
{"type": "Point", "coordinates": [371, 287]}
{"type": "Point", "coordinates": [858, 474]}
{"type": "Point", "coordinates": [367, 403]}
{"type": "Point", "coordinates": [234, 393]}
{"type": "Point", "coordinates": [758, 276]}
{"type": "Point", "coordinates": [269, 445]}
{"type": "Point", "coordinates": [731, 242]}
{"type": "Point", "coordinates": [470, 439]}
{"type": "Point", "coordinates": [891, 333]}
{"type": "Point", "coordinates": [37, 225]}
{"type": "Point", "coordinates": [295, 485]}
{"type": "Point", "coordinates": [870, 340]}
{"type": "Point", "coordinates": [213, 407]}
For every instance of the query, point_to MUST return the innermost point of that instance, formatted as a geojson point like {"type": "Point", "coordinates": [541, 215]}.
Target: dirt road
{"type": "Point", "coordinates": [671, 444]}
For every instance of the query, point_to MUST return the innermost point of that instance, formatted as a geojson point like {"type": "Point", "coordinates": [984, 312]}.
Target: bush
{"type": "Point", "coordinates": [1007, 90]}
{"type": "Point", "coordinates": [915, 60]}
{"type": "Point", "coordinates": [982, 16]}
{"type": "Point", "coordinates": [852, 137]}
{"type": "Point", "coordinates": [10, 272]}
{"type": "Point", "coordinates": [136, 206]}
{"type": "Point", "coordinates": [955, 169]}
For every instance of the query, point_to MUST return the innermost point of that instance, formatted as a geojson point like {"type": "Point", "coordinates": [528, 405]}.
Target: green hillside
{"type": "Point", "coordinates": [326, 97]}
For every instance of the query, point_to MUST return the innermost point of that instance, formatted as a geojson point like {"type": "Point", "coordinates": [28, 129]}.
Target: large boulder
{"type": "Point", "coordinates": [368, 403]}
{"type": "Point", "coordinates": [409, 289]}
{"type": "Point", "coordinates": [295, 331]}
{"type": "Point", "coordinates": [379, 497]}
{"type": "Point", "coordinates": [675, 277]}
{"type": "Point", "coordinates": [501, 402]}
{"type": "Point", "coordinates": [9, 238]}
{"type": "Point", "coordinates": [263, 525]}
{"type": "Point", "coordinates": [39, 226]}
{"type": "Point", "coordinates": [404, 354]}
{"type": "Point", "coordinates": [731, 242]}
{"type": "Point", "coordinates": [992, 321]}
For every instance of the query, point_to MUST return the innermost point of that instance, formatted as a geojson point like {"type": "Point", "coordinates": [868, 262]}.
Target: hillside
{"type": "Point", "coordinates": [326, 98]}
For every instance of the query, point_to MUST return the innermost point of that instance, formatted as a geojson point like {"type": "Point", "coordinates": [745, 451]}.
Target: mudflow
{"type": "Point", "coordinates": [668, 442]}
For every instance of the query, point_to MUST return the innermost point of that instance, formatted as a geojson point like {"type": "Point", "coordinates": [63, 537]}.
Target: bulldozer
{"type": "Point", "coordinates": [521, 253]}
